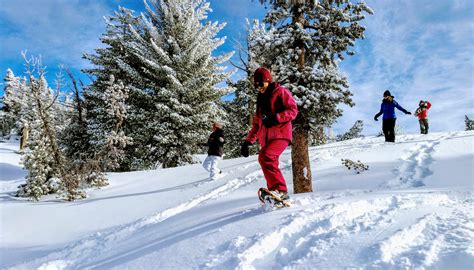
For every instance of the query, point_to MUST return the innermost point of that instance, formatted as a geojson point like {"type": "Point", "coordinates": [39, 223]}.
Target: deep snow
{"type": "Point", "coordinates": [413, 208]}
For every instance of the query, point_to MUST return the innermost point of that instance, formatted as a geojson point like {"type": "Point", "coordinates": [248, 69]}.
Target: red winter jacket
{"type": "Point", "coordinates": [283, 130]}
{"type": "Point", "coordinates": [422, 112]}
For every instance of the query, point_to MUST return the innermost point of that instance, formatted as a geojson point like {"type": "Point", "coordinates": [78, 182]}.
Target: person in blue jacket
{"type": "Point", "coordinates": [389, 117]}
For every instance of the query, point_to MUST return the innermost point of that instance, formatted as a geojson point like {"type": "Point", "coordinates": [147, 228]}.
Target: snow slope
{"type": "Point", "coordinates": [412, 209]}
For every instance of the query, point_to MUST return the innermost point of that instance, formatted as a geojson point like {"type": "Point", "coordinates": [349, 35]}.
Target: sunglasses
{"type": "Point", "coordinates": [259, 84]}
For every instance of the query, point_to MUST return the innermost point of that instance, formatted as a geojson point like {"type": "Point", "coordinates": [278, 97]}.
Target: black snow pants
{"type": "Point", "coordinates": [388, 127]}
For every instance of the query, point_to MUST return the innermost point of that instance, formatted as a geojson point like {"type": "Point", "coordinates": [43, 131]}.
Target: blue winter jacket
{"type": "Point", "coordinates": [388, 109]}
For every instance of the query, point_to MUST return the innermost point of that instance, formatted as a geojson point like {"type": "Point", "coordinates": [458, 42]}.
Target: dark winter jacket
{"type": "Point", "coordinates": [216, 143]}
{"type": "Point", "coordinates": [278, 104]}
{"type": "Point", "coordinates": [388, 109]}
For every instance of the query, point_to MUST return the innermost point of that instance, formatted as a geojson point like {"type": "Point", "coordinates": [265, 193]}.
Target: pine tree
{"type": "Point", "coordinates": [15, 105]}
{"type": "Point", "coordinates": [354, 132]}
{"type": "Point", "coordinates": [469, 123]}
{"type": "Point", "coordinates": [176, 57]}
{"type": "Point", "coordinates": [107, 133]}
{"type": "Point", "coordinates": [308, 40]}
{"type": "Point", "coordinates": [9, 105]}
{"type": "Point", "coordinates": [118, 60]}
{"type": "Point", "coordinates": [165, 60]}
{"type": "Point", "coordinates": [49, 171]}
{"type": "Point", "coordinates": [5, 124]}
{"type": "Point", "coordinates": [43, 158]}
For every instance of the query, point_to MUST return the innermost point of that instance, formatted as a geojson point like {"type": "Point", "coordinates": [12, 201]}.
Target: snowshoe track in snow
{"type": "Point", "coordinates": [415, 165]}
{"type": "Point", "coordinates": [102, 242]}
{"type": "Point", "coordinates": [429, 239]}
{"type": "Point", "coordinates": [306, 237]}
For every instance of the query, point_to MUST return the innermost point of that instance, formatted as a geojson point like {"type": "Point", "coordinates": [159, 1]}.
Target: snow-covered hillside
{"type": "Point", "coordinates": [413, 208]}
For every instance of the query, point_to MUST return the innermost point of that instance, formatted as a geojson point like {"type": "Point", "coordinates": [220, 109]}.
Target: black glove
{"type": "Point", "coordinates": [269, 120]}
{"type": "Point", "coordinates": [375, 118]}
{"type": "Point", "coordinates": [244, 150]}
{"type": "Point", "coordinates": [408, 113]}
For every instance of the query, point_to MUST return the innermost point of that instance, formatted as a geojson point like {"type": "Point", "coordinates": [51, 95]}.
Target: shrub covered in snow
{"type": "Point", "coordinates": [357, 166]}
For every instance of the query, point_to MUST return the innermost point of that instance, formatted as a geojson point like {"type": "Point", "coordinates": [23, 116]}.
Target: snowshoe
{"type": "Point", "coordinates": [273, 198]}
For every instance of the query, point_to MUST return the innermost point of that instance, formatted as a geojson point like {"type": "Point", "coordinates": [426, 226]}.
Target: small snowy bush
{"type": "Point", "coordinates": [358, 166]}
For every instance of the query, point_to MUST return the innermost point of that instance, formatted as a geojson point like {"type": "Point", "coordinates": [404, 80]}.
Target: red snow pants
{"type": "Point", "coordinates": [268, 159]}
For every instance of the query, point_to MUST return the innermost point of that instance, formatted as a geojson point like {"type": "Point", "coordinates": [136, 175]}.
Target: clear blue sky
{"type": "Point", "coordinates": [419, 49]}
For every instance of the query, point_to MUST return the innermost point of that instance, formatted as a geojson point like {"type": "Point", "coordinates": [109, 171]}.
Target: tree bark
{"type": "Point", "coordinates": [302, 179]}
{"type": "Point", "coordinates": [24, 138]}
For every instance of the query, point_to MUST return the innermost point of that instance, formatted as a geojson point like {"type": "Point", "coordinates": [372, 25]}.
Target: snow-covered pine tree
{"type": "Point", "coordinates": [43, 158]}
{"type": "Point", "coordinates": [181, 72]}
{"type": "Point", "coordinates": [9, 103]}
{"type": "Point", "coordinates": [49, 171]}
{"type": "Point", "coordinates": [309, 38]}
{"type": "Point", "coordinates": [107, 131]}
{"type": "Point", "coordinates": [354, 132]}
{"type": "Point", "coordinates": [469, 123]}
{"type": "Point", "coordinates": [15, 104]}
{"type": "Point", "coordinates": [116, 59]}
{"type": "Point", "coordinates": [5, 124]}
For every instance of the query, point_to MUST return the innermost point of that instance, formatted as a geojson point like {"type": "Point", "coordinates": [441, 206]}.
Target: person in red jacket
{"type": "Point", "coordinates": [272, 127]}
{"type": "Point", "coordinates": [422, 113]}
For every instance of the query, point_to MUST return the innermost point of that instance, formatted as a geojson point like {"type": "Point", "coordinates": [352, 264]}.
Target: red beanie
{"type": "Point", "coordinates": [262, 75]}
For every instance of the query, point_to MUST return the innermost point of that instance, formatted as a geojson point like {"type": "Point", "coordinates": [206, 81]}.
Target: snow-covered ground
{"type": "Point", "coordinates": [413, 208]}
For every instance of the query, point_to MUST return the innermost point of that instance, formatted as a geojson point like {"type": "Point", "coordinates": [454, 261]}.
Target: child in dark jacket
{"type": "Point", "coordinates": [215, 151]}
{"type": "Point", "coordinates": [387, 108]}
{"type": "Point", "coordinates": [422, 113]}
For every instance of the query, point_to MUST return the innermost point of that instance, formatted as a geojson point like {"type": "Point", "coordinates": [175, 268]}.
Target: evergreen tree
{"type": "Point", "coordinates": [107, 134]}
{"type": "Point", "coordinates": [49, 171]}
{"type": "Point", "coordinates": [42, 159]}
{"type": "Point", "coordinates": [117, 60]}
{"type": "Point", "coordinates": [354, 132]}
{"type": "Point", "coordinates": [308, 39]}
{"type": "Point", "coordinates": [176, 57]}
{"type": "Point", "coordinates": [14, 101]}
{"type": "Point", "coordinates": [469, 123]}
{"type": "Point", "coordinates": [5, 124]}
{"type": "Point", "coordinates": [165, 60]}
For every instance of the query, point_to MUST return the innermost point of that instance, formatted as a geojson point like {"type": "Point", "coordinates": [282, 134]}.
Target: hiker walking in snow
{"type": "Point", "coordinates": [422, 113]}
{"type": "Point", "coordinates": [387, 108]}
{"type": "Point", "coordinates": [272, 127]}
{"type": "Point", "coordinates": [215, 151]}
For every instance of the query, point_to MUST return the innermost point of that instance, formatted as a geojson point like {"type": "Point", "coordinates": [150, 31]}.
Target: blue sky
{"type": "Point", "coordinates": [419, 49]}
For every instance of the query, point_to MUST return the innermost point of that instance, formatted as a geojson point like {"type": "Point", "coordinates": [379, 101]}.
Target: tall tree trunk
{"type": "Point", "coordinates": [24, 137]}
{"type": "Point", "coordinates": [302, 180]}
